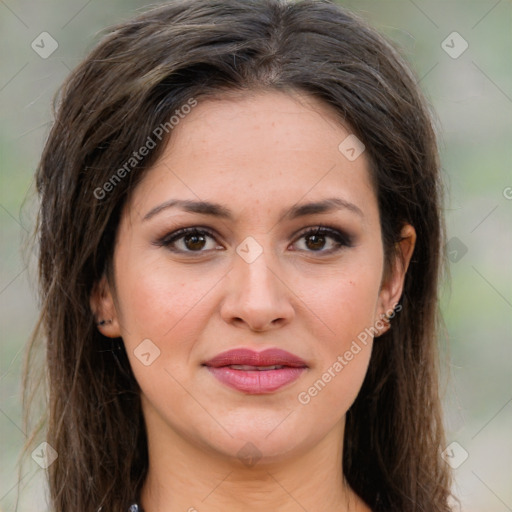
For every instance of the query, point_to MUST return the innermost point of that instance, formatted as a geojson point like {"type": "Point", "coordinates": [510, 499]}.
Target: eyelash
{"type": "Point", "coordinates": [341, 239]}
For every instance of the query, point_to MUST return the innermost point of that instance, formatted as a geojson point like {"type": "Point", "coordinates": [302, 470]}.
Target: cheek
{"type": "Point", "coordinates": [171, 309]}
{"type": "Point", "coordinates": [342, 360]}
{"type": "Point", "coordinates": [345, 302]}
{"type": "Point", "coordinates": [156, 301]}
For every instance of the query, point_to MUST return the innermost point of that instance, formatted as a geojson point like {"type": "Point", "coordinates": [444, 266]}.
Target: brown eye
{"type": "Point", "coordinates": [194, 241]}
{"type": "Point", "coordinates": [189, 240]}
{"type": "Point", "coordinates": [316, 239]}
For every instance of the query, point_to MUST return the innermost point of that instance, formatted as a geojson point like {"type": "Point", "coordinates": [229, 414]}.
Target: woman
{"type": "Point", "coordinates": [240, 240]}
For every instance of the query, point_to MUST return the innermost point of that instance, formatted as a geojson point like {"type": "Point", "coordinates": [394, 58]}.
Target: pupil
{"type": "Point", "coordinates": [317, 237]}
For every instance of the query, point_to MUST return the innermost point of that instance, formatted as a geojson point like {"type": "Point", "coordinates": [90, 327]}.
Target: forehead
{"type": "Point", "coordinates": [263, 150]}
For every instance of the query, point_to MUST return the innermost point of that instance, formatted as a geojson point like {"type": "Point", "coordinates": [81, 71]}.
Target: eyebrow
{"type": "Point", "coordinates": [217, 210]}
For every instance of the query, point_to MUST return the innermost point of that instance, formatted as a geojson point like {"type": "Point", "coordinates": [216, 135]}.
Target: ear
{"type": "Point", "coordinates": [393, 282]}
{"type": "Point", "coordinates": [104, 310]}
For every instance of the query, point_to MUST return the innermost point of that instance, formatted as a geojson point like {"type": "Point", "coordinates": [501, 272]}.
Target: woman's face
{"type": "Point", "coordinates": [254, 274]}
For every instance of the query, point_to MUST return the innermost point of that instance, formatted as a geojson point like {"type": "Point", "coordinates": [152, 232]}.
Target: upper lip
{"type": "Point", "coordinates": [245, 356]}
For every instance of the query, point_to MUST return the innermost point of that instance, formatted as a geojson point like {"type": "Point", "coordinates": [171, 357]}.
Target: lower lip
{"type": "Point", "coordinates": [256, 382]}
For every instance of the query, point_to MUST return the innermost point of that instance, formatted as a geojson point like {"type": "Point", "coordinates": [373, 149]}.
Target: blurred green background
{"type": "Point", "coordinates": [471, 94]}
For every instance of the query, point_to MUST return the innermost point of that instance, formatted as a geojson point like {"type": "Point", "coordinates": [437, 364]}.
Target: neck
{"type": "Point", "coordinates": [186, 477]}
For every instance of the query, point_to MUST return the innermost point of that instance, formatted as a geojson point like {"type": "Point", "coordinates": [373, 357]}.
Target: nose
{"type": "Point", "coordinates": [257, 298]}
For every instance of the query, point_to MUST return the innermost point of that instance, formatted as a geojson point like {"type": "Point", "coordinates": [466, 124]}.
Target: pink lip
{"type": "Point", "coordinates": [256, 381]}
{"type": "Point", "coordinates": [268, 357]}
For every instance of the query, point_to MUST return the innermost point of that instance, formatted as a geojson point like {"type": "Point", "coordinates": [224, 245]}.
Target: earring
{"type": "Point", "coordinates": [104, 322]}
{"type": "Point", "coordinates": [387, 321]}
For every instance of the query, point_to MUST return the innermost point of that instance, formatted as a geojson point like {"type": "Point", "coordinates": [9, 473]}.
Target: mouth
{"type": "Point", "coordinates": [256, 372]}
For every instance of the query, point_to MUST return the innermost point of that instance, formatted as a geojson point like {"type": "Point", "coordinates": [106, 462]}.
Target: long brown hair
{"type": "Point", "coordinates": [140, 73]}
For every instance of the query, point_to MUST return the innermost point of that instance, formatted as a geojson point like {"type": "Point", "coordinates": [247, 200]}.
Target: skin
{"type": "Point", "coordinates": [257, 154]}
